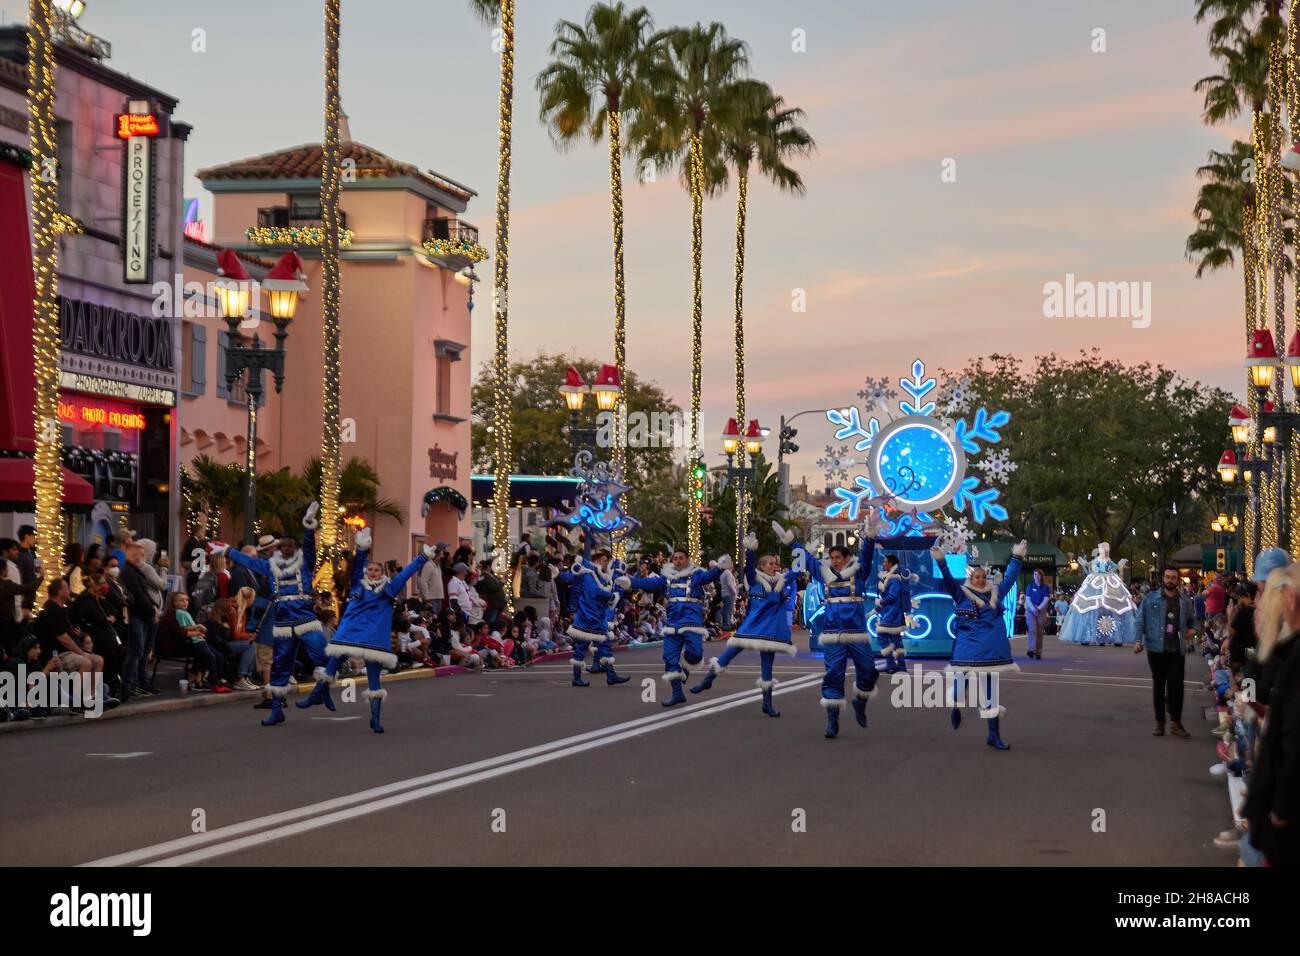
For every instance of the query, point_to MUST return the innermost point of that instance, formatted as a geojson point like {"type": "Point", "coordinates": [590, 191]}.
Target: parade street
{"type": "Point", "coordinates": [518, 767]}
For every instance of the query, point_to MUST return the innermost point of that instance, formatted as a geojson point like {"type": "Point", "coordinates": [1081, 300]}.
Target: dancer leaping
{"type": "Point", "coordinates": [593, 593]}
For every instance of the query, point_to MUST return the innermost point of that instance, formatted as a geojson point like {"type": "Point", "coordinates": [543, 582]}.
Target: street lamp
{"type": "Point", "coordinates": [575, 389]}
{"type": "Point", "coordinates": [608, 387]}
{"type": "Point", "coordinates": [283, 285]}
{"type": "Point", "coordinates": [739, 475]}
{"type": "Point", "coordinates": [1239, 424]}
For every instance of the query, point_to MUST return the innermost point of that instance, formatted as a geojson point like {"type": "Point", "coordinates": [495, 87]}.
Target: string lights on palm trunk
{"type": "Point", "coordinates": [331, 180]}
{"type": "Point", "coordinates": [501, 383]}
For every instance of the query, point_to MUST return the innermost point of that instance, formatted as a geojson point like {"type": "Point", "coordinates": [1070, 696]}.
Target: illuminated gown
{"type": "Point", "coordinates": [1102, 611]}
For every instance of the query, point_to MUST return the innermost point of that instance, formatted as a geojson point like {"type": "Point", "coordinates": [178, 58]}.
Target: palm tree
{"type": "Point", "coordinates": [699, 91]}
{"type": "Point", "coordinates": [331, 184]}
{"type": "Point", "coordinates": [602, 71]}
{"type": "Point", "coordinates": [767, 134]}
{"type": "Point", "coordinates": [358, 489]}
{"type": "Point", "coordinates": [207, 486]}
{"type": "Point", "coordinates": [492, 12]}
{"type": "Point", "coordinates": [1231, 20]}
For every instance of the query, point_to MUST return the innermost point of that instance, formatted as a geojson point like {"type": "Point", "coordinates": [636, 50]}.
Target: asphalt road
{"type": "Point", "coordinates": [520, 768]}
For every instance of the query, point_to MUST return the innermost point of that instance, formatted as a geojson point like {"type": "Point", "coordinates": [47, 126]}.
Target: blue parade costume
{"type": "Point", "coordinates": [894, 606]}
{"type": "Point", "coordinates": [366, 630]}
{"type": "Point", "coordinates": [1101, 611]}
{"type": "Point", "coordinates": [684, 629]}
{"type": "Point", "coordinates": [293, 612]}
{"type": "Point", "coordinates": [766, 627]}
{"type": "Point", "coordinates": [981, 648]}
{"type": "Point", "coordinates": [592, 594]}
{"type": "Point", "coordinates": [844, 635]}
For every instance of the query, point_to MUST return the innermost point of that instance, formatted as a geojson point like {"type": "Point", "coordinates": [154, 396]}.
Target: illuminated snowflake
{"type": "Point", "coordinates": [1106, 625]}
{"type": "Point", "coordinates": [837, 462]}
{"type": "Point", "coordinates": [997, 467]}
{"type": "Point", "coordinates": [957, 396]}
{"type": "Point", "coordinates": [918, 463]}
{"type": "Point", "coordinates": [877, 392]}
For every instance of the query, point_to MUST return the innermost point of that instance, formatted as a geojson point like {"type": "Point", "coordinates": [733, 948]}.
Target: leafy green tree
{"type": "Point", "coordinates": [1105, 446]}
{"type": "Point", "coordinates": [764, 491]}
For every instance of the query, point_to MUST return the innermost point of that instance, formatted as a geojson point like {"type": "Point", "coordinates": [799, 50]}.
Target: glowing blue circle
{"type": "Point", "coordinates": [917, 462]}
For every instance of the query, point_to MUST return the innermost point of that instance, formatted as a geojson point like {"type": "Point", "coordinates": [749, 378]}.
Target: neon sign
{"type": "Point", "coordinates": [133, 124]}
{"type": "Point", "coordinates": [85, 413]}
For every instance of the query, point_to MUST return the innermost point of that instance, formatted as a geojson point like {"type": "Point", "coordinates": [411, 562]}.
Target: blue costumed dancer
{"type": "Point", "coordinates": [894, 607]}
{"type": "Point", "coordinates": [766, 627]}
{"type": "Point", "coordinates": [367, 626]}
{"type": "Point", "coordinates": [1102, 611]}
{"type": "Point", "coordinates": [982, 649]}
{"type": "Point", "coordinates": [293, 612]}
{"type": "Point", "coordinates": [844, 628]}
{"type": "Point", "coordinates": [593, 593]}
{"type": "Point", "coordinates": [684, 631]}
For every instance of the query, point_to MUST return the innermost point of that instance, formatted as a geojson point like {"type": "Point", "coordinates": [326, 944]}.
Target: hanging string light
{"type": "Point", "coordinates": [501, 383]}
{"type": "Point", "coordinates": [620, 338]}
{"type": "Point", "coordinates": [48, 485]}
{"type": "Point", "coordinates": [331, 182]}
{"type": "Point", "coordinates": [742, 492]}
{"type": "Point", "coordinates": [695, 175]}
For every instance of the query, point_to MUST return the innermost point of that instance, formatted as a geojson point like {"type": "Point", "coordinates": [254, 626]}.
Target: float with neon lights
{"type": "Point", "coordinates": [930, 466]}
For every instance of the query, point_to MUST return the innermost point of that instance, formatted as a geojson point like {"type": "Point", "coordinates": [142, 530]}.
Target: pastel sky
{"type": "Point", "coordinates": [1067, 161]}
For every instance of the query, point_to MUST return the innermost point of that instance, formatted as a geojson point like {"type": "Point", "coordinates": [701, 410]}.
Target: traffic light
{"type": "Point", "coordinates": [788, 447]}
{"type": "Point", "coordinates": [698, 473]}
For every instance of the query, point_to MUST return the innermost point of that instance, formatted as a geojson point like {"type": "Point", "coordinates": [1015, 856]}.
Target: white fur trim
{"type": "Point", "coordinates": [607, 661]}
{"type": "Point", "coordinates": [688, 629]}
{"type": "Point", "coordinates": [578, 635]}
{"type": "Point", "coordinates": [293, 630]}
{"type": "Point", "coordinates": [671, 574]}
{"type": "Point", "coordinates": [845, 576]}
{"type": "Point", "coordinates": [890, 629]}
{"type": "Point", "coordinates": [762, 644]}
{"type": "Point", "coordinates": [844, 637]}
{"type": "Point", "coordinates": [319, 674]}
{"type": "Point", "coordinates": [715, 668]}
{"type": "Point", "coordinates": [385, 659]}
{"type": "Point", "coordinates": [769, 582]}
{"type": "Point", "coordinates": [982, 669]}
{"type": "Point", "coordinates": [672, 677]}
{"type": "Point", "coordinates": [286, 568]}
{"type": "Point", "coordinates": [832, 704]}
{"type": "Point", "coordinates": [369, 694]}
{"type": "Point", "coordinates": [766, 684]}
{"type": "Point", "coordinates": [278, 691]}
{"type": "Point", "coordinates": [864, 694]}
{"type": "Point", "coordinates": [992, 712]}
{"type": "Point", "coordinates": [899, 652]}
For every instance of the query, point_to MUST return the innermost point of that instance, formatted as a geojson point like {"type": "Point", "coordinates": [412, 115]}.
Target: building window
{"type": "Point", "coordinates": [65, 131]}
{"type": "Point", "coordinates": [194, 358]}
{"type": "Point", "coordinates": [445, 354]}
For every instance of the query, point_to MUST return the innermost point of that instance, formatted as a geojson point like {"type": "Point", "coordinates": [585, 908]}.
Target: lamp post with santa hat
{"type": "Point", "coordinates": [283, 285]}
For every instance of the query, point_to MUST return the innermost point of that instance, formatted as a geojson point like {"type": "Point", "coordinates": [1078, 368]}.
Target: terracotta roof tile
{"type": "Point", "coordinates": [304, 162]}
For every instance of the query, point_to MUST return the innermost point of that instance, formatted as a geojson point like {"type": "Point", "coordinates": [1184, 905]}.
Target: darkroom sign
{"type": "Point", "coordinates": [114, 335]}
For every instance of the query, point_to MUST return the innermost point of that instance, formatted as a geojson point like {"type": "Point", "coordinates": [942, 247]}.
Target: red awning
{"type": "Point", "coordinates": [18, 478]}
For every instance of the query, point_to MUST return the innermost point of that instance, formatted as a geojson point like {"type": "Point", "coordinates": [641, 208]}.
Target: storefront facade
{"type": "Point", "coordinates": [120, 165]}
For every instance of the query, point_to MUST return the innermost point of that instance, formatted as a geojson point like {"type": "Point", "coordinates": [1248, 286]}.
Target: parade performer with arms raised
{"type": "Point", "coordinates": [982, 649]}
{"type": "Point", "coordinates": [367, 626]}
{"type": "Point", "coordinates": [593, 592]}
{"type": "Point", "coordinates": [766, 627]}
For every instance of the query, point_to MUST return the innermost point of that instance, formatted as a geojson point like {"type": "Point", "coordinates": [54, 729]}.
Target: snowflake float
{"type": "Point", "coordinates": [917, 463]}
{"type": "Point", "coordinates": [598, 508]}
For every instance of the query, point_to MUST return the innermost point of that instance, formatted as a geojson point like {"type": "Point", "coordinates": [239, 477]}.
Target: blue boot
{"type": "Point", "coordinates": [320, 694]}
{"type": "Point", "coordinates": [595, 667]}
{"type": "Point", "coordinates": [277, 713]}
{"type": "Point", "coordinates": [611, 676]}
{"type": "Point", "coordinates": [678, 697]}
{"type": "Point", "coordinates": [860, 710]}
{"type": "Point", "coordinates": [375, 704]}
{"type": "Point", "coordinates": [710, 676]}
{"type": "Point", "coordinates": [768, 709]}
{"type": "Point", "coordinates": [995, 739]}
{"type": "Point", "coordinates": [955, 717]}
{"type": "Point", "coordinates": [832, 718]}
{"type": "Point", "coordinates": [577, 677]}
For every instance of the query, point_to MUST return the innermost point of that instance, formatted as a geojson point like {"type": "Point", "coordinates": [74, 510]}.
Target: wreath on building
{"type": "Point", "coordinates": [444, 493]}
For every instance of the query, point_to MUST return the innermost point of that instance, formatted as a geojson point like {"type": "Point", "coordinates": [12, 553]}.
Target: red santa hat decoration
{"type": "Point", "coordinates": [289, 275]}
{"type": "Point", "coordinates": [609, 385]}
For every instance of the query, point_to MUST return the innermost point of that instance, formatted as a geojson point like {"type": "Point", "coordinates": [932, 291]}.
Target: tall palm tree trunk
{"type": "Point", "coordinates": [330, 186]}
{"type": "Point", "coordinates": [1249, 267]}
{"type": "Point", "coordinates": [742, 206]}
{"type": "Point", "coordinates": [697, 328]}
{"type": "Point", "coordinates": [620, 342]}
{"type": "Point", "coordinates": [48, 490]}
{"type": "Point", "coordinates": [501, 285]}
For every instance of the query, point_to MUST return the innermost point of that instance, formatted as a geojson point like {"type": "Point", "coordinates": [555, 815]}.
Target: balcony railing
{"type": "Point", "coordinates": [449, 229]}
{"type": "Point", "coordinates": [283, 217]}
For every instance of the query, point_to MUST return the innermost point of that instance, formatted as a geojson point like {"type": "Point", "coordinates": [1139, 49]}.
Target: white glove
{"type": "Point", "coordinates": [937, 553]}
{"type": "Point", "coordinates": [365, 538]}
{"type": "Point", "coordinates": [725, 562]}
{"type": "Point", "coordinates": [624, 582]}
{"type": "Point", "coordinates": [1021, 549]}
{"type": "Point", "coordinates": [873, 526]}
{"type": "Point", "coordinates": [309, 519]}
{"type": "Point", "coordinates": [218, 547]}
{"type": "Point", "coordinates": [751, 542]}
{"type": "Point", "coordinates": [429, 550]}
{"type": "Point", "coordinates": [785, 537]}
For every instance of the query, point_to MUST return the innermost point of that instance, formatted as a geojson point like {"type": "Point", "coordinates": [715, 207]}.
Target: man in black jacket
{"type": "Point", "coordinates": [139, 627]}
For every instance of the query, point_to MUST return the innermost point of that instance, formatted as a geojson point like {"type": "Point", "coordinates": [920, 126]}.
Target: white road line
{"type": "Point", "coordinates": [124, 756]}
{"type": "Point", "coordinates": [376, 798]}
